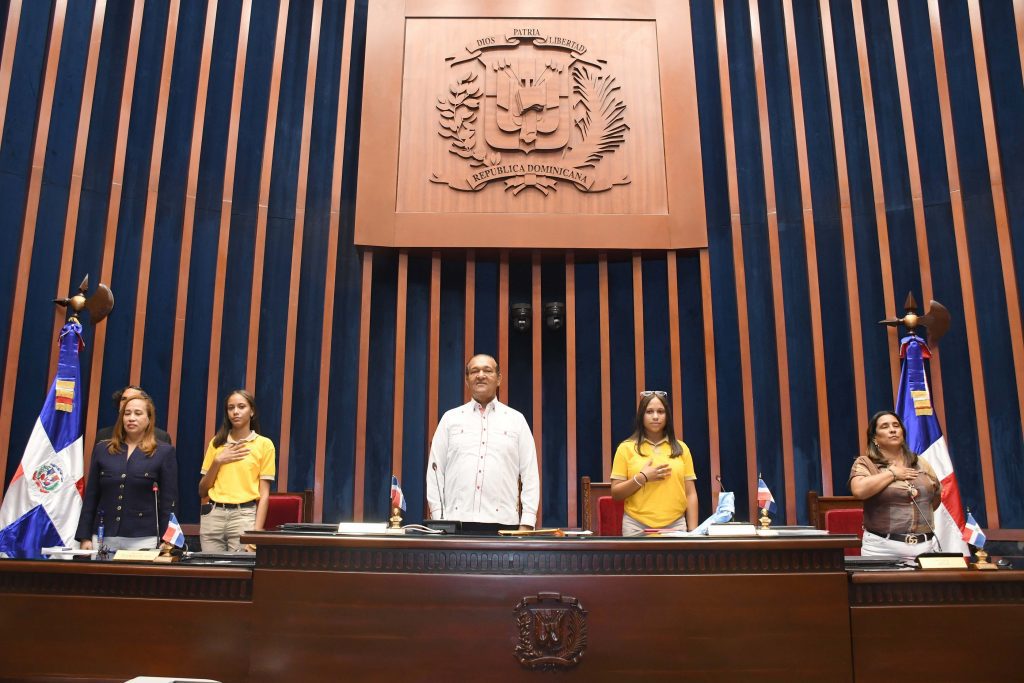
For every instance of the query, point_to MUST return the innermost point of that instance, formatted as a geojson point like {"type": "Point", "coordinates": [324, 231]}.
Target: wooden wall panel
{"type": "Point", "coordinates": [213, 376]}
{"type": "Point", "coordinates": [638, 323]}
{"type": "Point", "coordinates": [418, 54]}
{"type": "Point", "coordinates": [114, 211]}
{"type": "Point", "coordinates": [737, 253]}
{"type": "Point", "coordinates": [570, 386]}
{"type": "Point", "coordinates": [263, 208]}
{"type": "Point", "coordinates": [188, 225]}
{"type": "Point", "coordinates": [963, 258]}
{"type": "Point", "coordinates": [28, 227]}
{"type": "Point", "coordinates": [839, 145]}
{"type": "Point", "coordinates": [284, 447]}
{"type": "Point", "coordinates": [606, 373]}
{"type": "Point", "coordinates": [139, 338]}
{"type": "Point", "coordinates": [999, 200]}
{"type": "Point", "coordinates": [881, 220]}
{"type": "Point", "coordinates": [820, 386]}
{"type": "Point", "coordinates": [916, 194]}
{"type": "Point", "coordinates": [7, 58]}
{"type": "Point", "coordinates": [331, 275]}
{"type": "Point", "coordinates": [361, 391]}
{"type": "Point", "coordinates": [776, 266]}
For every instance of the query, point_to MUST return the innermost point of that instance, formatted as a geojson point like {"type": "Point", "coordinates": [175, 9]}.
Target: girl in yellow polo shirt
{"type": "Point", "coordinates": [237, 471]}
{"type": "Point", "coordinates": [653, 472]}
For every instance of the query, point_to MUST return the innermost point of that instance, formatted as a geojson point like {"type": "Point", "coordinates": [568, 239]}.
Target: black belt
{"type": "Point", "coordinates": [234, 506]}
{"type": "Point", "coordinates": [909, 539]}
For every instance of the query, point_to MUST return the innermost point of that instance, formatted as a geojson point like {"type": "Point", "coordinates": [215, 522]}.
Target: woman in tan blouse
{"type": "Point", "coordinates": [900, 492]}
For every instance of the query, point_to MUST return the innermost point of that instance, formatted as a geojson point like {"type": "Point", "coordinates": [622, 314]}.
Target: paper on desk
{"type": "Point", "coordinates": [362, 527]}
{"type": "Point", "coordinates": [61, 553]}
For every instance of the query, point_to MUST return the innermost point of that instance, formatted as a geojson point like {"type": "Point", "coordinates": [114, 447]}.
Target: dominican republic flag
{"type": "Point", "coordinates": [765, 499]}
{"type": "Point", "coordinates": [174, 534]}
{"type": "Point", "coordinates": [397, 497]}
{"type": "Point", "coordinates": [44, 500]}
{"type": "Point", "coordinates": [924, 437]}
{"type": "Point", "coordinates": [972, 532]}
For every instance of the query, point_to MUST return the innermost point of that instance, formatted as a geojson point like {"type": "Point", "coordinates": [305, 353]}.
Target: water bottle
{"type": "Point", "coordinates": [99, 535]}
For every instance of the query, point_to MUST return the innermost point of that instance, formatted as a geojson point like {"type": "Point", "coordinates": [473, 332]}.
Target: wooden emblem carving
{"type": "Point", "coordinates": [530, 109]}
{"type": "Point", "coordinates": [552, 631]}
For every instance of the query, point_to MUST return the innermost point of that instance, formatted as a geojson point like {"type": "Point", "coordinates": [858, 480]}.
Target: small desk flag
{"type": "Point", "coordinates": [397, 497]}
{"type": "Point", "coordinates": [973, 534]}
{"type": "Point", "coordinates": [174, 534]}
{"type": "Point", "coordinates": [765, 499]}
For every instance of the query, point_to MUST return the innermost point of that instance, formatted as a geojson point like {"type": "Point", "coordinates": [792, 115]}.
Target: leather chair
{"type": "Point", "coordinates": [609, 516]}
{"type": "Point", "coordinates": [602, 514]}
{"type": "Point", "coordinates": [846, 521]}
{"type": "Point", "coordinates": [838, 515]}
{"type": "Point", "coordinates": [288, 507]}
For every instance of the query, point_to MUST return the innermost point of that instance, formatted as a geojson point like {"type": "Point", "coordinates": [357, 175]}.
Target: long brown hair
{"type": "Point", "coordinates": [872, 448]}
{"type": "Point", "coordinates": [221, 437]}
{"type": "Point", "coordinates": [638, 424]}
{"type": "Point", "coordinates": [147, 444]}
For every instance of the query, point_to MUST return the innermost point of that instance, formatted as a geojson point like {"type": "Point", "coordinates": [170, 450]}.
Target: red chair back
{"type": "Point", "coordinates": [846, 522]}
{"type": "Point", "coordinates": [284, 508]}
{"type": "Point", "coordinates": [609, 516]}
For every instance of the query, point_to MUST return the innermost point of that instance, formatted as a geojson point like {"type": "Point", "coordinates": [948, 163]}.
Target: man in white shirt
{"type": "Point", "coordinates": [480, 453]}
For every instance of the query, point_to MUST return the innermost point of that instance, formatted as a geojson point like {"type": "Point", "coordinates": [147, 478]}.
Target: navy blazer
{"type": "Point", "coordinates": [122, 489]}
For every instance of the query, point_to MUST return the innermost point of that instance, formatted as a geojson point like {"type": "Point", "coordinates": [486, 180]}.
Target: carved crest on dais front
{"type": "Point", "coordinates": [530, 110]}
{"type": "Point", "coordinates": [552, 631]}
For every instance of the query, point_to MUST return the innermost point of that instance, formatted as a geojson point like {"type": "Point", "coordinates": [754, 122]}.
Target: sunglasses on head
{"type": "Point", "coordinates": [659, 394]}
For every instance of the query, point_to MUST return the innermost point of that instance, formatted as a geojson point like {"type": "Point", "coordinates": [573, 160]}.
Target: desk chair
{"type": "Point", "coordinates": [288, 507]}
{"type": "Point", "coordinates": [602, 514]}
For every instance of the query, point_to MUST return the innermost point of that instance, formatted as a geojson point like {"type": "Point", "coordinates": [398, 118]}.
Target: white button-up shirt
{"type": "Point", "coordinates": [481, 453]}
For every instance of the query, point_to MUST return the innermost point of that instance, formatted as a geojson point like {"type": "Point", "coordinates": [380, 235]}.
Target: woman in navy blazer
{"type": "Point", "coordinates": [120, 492]}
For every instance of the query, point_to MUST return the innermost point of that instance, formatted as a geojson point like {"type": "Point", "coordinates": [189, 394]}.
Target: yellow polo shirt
{"type": "Point", "coordinates": [658, 503]}
{"type": "Point", "coordinates": [239, 482]}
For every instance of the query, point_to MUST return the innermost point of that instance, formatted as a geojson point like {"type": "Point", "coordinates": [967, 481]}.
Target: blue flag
{"type": "Point", "coordinates": [924, 437]}
{"type": "Point", "coordinates": [44, 500]}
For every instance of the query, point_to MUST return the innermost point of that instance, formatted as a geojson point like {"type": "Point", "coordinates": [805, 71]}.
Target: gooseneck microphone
{"type": "Point", "coordinates": [924, 518]}
{"type": "Point", "coordinates": [156, 510]}
{"type": "Point", "coordinates": [440, 489]}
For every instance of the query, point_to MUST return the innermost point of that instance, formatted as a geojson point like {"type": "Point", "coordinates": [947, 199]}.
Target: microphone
{"type": "Point", "coordinates": [156, 510]}
{"type": "Point", "coordinates": [440, 489]}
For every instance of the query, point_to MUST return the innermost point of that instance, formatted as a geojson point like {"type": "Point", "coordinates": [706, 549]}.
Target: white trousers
{"type": "Point", "coordinates": [873, 545]}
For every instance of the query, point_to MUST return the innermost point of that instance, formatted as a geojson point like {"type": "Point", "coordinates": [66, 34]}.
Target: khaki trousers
{"type": "Point", "coordinates": [631, 527]}
{"type": "Point", "coordinates": [221, 528]}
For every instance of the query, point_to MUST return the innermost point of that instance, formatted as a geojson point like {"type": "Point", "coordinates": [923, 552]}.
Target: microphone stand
{"type": "Point", "coordinates": [156, 510]}
{"type": "Point", "coordinates": [924, 518]}
{"type": "Point", "coordinates": [440, 491]}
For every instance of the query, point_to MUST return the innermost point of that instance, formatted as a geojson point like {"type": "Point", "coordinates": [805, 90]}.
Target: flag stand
{"type": "Point", "coordinates": [983, 562]}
